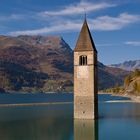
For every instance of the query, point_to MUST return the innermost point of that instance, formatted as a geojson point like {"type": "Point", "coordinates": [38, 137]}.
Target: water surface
{"type": "Point", "coordinates": [118, 121]}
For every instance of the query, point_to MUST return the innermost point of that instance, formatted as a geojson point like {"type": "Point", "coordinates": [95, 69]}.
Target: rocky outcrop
{"type": "Point", "coordinates": [132, 83]}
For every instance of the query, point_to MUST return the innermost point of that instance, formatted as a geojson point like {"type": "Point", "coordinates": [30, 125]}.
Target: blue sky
{"type": "Point", "coordinates": [115, 24]}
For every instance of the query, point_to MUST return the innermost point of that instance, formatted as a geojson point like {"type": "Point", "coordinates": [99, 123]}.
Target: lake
{"type": "Point", "coordinates": [117, 120]}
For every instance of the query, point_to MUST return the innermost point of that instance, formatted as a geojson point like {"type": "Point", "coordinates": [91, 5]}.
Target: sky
{"type": "Point", "coordinates": [114, 24]}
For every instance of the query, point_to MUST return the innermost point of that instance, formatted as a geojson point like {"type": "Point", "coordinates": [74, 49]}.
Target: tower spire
{"type": "Point", "coordinates": [85, 13]}
{"type": "Point", "coordinates": [85, 41]}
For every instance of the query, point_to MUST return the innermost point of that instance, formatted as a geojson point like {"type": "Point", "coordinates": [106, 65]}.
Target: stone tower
{"type": "Point", "coordinates": [85, 76]}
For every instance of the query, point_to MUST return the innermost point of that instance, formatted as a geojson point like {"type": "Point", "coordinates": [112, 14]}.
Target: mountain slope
{"type": "Point", "coordinates": [110, 76]}
{"type": "Point", "coordinates": [128, 65]}
{"type": "Point", "coordinates": [132, 83]}
{"type": "Point", "coordinates": [39, 63]}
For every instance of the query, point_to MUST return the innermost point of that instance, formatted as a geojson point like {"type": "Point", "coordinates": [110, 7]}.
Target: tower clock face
{"type": "Point", "coordinates": [82, 72]}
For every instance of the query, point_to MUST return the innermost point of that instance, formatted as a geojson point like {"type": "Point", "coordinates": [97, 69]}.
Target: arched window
{"type": "Point", "coordinates": [83, 60]}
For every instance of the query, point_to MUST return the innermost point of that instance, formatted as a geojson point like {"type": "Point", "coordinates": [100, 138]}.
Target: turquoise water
{"type": "Point", "coordinates": [117, 121]}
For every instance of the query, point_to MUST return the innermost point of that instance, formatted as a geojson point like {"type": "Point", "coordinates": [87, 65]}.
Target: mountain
{"type": "Point", "coordinates": [35, 62]}
{"type": "Point", "coordinates": [128, 65]}
{"type": "Point", "coordinates": [41, 64]}
{"type": "Point", "coordinates": [110, 77]}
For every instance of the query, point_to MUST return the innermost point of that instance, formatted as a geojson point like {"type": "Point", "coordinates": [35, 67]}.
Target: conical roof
{"type": "Point", "coordinates": [85, 41]}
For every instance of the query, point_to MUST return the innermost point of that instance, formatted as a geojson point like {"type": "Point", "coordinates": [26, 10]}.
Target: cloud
{"type": "Point", "coordinates": [107, 23]}
{"type": "Point", "coordinates": [133, 43]}
{"type": "Point", "coordinates": [73, 9]}
{"type": "Point", "coordinates": [12, 17]}
{"type": "Point", "coordinates": [61, 27]}
{"type": "Point", "coordinates": [103, 23]}
{"type": "Point", "coordinates": [79, 8]}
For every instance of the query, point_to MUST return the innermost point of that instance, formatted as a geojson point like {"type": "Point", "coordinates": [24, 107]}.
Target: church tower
{"type": "Point", "coordinates": [85, 76]}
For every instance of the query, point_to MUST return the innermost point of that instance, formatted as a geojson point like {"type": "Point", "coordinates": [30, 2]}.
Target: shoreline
{"type": "Point", "coordinates": [123, 101]}
{"type": "Point", "coordinates": [33, 104]}
{"type": "Point", "coordinates": [61, 103]}
{"type": "Point", "coordinates": [133, 98]}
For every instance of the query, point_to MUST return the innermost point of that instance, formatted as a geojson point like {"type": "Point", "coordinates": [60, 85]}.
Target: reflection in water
{"type": "Point", "coordinates": [55, 122]}
{"type": "Point", "coordinates": [36, 124]}
{"type": "Point", "coordinates": [85, 130]}
{"type": "Point", "coordinates": [46, 129]}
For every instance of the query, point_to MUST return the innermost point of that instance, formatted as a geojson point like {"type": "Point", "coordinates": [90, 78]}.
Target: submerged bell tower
{"type": "Point", "coordinates": [85, 76]}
